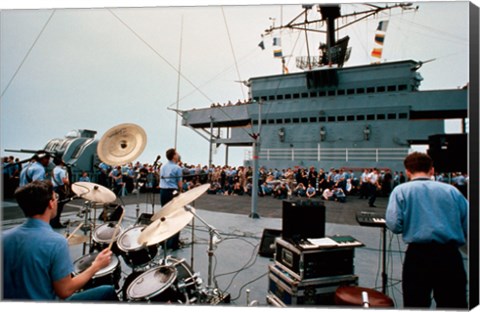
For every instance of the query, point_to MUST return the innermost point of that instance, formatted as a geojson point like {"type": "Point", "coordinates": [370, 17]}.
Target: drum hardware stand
{"type": "Point", "coordinates": [211, 245]}
{"type": "Point", "coordinates": [193, 241]}
{"type": "Point", "coordinates": [138, 197]}
{"type": "Point", "coordinates": [384, 261]}
{"type": "Point", "coordinates": [87, 224]}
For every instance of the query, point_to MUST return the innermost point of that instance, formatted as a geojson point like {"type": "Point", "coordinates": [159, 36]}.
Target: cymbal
{"type": "Point", "coordinates": [181, 200]}
{"type": "Point", "coordinates": [93, 192]}
{"type": "Point", "coordinates": [165, 226]}
{"type": "Point", "coordinates": [76, 239]}
{"type": "Point", "coordinates": [121, 144]}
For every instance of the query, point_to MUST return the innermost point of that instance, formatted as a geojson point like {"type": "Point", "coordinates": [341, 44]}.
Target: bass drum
{"type": "Point", "coordinates": [109, 275]}
{"type": "Point", "coordinates": [174, 282]}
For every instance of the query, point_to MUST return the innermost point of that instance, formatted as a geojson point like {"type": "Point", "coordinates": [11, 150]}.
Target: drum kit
{"type": "Point", "coordinates": [153, 278]}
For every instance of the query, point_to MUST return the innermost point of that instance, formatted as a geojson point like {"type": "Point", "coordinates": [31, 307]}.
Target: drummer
{"type": "Point", "coordinates": [36, 259]}
{"type": "Point", "coordinates": [171, 182]}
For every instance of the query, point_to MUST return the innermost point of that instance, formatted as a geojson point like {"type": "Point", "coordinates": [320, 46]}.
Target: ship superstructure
{"type": "Point", "coordinates": [330, 115]}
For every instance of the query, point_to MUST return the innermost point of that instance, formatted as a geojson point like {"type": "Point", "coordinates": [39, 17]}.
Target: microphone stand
{"type": "Point", "coordinates": [154, 186]}
{"type": "Point", "coordinates": [211, 245]}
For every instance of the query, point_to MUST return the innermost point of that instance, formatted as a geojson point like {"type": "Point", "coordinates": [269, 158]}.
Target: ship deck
{"type": "Point", "coordinates": [237, 267]}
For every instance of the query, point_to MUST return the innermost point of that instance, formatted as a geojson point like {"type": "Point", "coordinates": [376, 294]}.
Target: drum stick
{"type": "Point", "coordinates": [76, 229]}
{"type": "Point", "coordinates": [116, 229]}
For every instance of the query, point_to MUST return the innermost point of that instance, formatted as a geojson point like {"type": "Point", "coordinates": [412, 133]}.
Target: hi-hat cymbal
{"type": "Point", "coordinates": [93, 192]}
{"type": "Point", "coordinates": [181, 200]}
{"type": "Point", "coordinates": [167, 225]}
{"type": "Point", "coordinates": [121, 144]}
{"type": "Point", "coordinates": [76, 239]}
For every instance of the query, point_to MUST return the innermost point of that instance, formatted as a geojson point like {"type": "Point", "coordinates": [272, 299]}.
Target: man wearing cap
{"type": "Point", "coordinates": [35, 169]}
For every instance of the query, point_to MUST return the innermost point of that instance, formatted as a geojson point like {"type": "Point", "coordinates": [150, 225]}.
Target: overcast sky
{"type": "Point", "coordinates": [95, 68]}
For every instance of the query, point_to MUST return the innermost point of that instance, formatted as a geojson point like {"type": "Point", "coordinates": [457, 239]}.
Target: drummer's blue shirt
{"type": "Point", "coordinates": [427, 211]}
{"type": "Point", "coordinates": [34, 256]}
{"type": "Point", "coordinates": [170, 175]}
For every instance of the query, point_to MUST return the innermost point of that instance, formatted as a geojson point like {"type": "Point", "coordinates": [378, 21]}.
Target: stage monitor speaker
{"type": "Point", "coordinates": [302, 219]}
{"type": "Point", "coordinates": [448, 152]}
{"type": "Point", "coordinates": [267, 244]}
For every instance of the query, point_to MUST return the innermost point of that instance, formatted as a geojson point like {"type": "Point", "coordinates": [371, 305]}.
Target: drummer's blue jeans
{"type": "Point", "coordinates": [100, 293]}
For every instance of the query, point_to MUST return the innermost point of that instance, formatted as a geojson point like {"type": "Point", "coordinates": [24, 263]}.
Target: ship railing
{"type": "Point", "coordinates": [332, 154]}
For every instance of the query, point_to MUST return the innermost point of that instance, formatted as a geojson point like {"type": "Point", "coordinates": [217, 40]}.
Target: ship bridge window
{"type": "Point", "coordinates": [313, 119]}
{"type": "Point", "coordinates": [350, 91]}
{"type": "Point", "coordinates": [360, 117]}
{"type": "Point", "coordinates": [288, 96]}
{"type": "Point", "coordinates": [392, 116]}
{"type": "Point", "coordinates": [340, 118]}
{"type": "Point", "coordinates": [360, 90]}
{"type": "Point", "coordinates": [350, 118]}
{"type": "Point", "coordinates": [304, 95]}
{"type": "Point", "coordinates": [402, 87]}
{"type": "Point", "coordinates": [370, 90]}
{"type": "Point", "coordinates": [296, 95]}
{"type": "Point", "coordinates": [331, 118]}
{"type": "Point", "coordinates": [381, 89]}
{"type": "Point", "coordinates": [256, 98]}
{"type": "Point", "coordinates": [341, 92]}
{"type": "Point", "coordinates": [402, 116]}
{"type": "Point", "coordinates": [255, 122]}
{"type": "Point", "coordinates": [271, 97]}
{"type": "Point", "coordinates": [296, 120]}
{"type": "Point", "coordinates": [331, 93]}
{"type": "Point", "coordinates": [392, 88]}
{"type": "Point", "coordinates": [322, 93]}
{"type": "Point", "coordinates": [322, 119]}
{"type": "Point", "coordinates": [380, 116]}
{"type": "Point", "coordinates": [271, 121]}
{"type": "Point", "coordinates": [304, 119]}
{"type": "Point", "coordinates": [263, 98]}
{"type": "Point", "coordinates": [279, 121]}
{"type": "Point", "coordinates": [371, 117]}
{"type": "Point", "coordinates": [313, 94]}
{"type": "Point", "coordinates": [288, 120]}
{"type": "Point", "coordinates": [280, 97]}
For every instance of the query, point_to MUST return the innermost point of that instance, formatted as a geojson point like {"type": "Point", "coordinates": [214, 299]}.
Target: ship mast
{"type": "Point", "coordinates": [333, 52]}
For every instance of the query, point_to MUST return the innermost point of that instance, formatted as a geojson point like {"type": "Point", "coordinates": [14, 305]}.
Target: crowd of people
{"type": "Point", "coordinates": [230, 103]}
{"type": "Point", "coordinates": [335, 184]}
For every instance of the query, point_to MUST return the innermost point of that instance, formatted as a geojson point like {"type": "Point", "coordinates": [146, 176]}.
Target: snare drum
{"type": "Point", "coordinates": [109, 275]}
{"type": "Point", "coordinates": [132, 252]}
{"type": "Point", "coordinates": [174, 282]}
{"type": "Point", "coordinates": [102, 236]}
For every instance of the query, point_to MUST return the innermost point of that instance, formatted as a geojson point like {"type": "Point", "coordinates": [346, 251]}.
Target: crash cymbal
{"type": "Point", "coordinates": [93, 192]}
{"type": "Point", "coordinates": [167, 225]}
{"type": "Point", "coordinates": [76, 239]}
{"type": "Point", "coordinates": [181, 200]}
{"type": "Point", "coordinates": [121, 144]}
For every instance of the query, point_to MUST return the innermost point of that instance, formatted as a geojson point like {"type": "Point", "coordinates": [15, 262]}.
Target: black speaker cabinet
{"type": "Point", "coordinates": [302, 219]}
{"type": "Point", "coordinates": [448, 152]}
{"type": "Point", "coordinates": [267, 244]}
